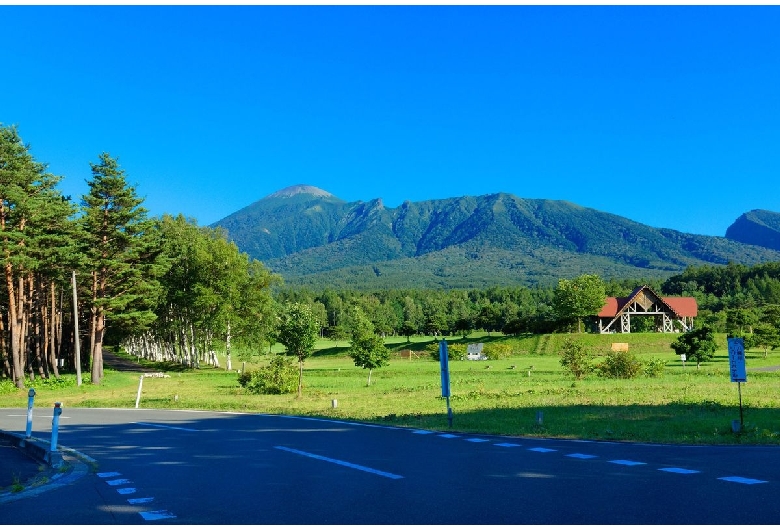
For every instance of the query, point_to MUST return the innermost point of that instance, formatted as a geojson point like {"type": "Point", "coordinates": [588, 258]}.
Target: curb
{"type": "Point", "coordinates": [65, 466]}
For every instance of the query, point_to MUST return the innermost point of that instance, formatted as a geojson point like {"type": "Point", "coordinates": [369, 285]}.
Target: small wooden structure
{"type": "Point", "coordinates": [672, 314]}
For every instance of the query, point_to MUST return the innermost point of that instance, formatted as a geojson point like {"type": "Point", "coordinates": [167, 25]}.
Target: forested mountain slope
{"type": "Point", "coordinates": [757, 227]}
{"type": "Point", "coordinates": [311, 237]}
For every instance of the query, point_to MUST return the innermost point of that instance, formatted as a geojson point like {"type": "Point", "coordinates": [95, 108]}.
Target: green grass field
{"type": "Point", "coordinates": [685, 405]}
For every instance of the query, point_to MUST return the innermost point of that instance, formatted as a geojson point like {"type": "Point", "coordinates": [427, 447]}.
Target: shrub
{"type": "Point", "coordinates": [620, 365]}
{"type": "Point", "coordinates": [495, 352]}
{"type": "Point", "coordinates": [655, 367]}
{"type": "Point", "coordinates": [455, 352]}
{"type": "Point", "coordinates": [576, 358]}
{"type": "Point", "coordinates": [279, 377]}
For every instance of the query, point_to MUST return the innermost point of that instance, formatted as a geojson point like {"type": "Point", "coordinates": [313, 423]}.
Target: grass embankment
{"type": "Point", "coordinates": [684, 405]}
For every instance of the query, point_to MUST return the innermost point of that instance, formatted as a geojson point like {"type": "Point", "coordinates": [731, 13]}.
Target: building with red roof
{"type": "Point", "coordinates": [672, 314]}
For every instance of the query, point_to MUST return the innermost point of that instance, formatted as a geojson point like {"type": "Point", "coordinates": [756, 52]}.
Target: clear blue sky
{"type": "Point", "coordinates": [667, 115]}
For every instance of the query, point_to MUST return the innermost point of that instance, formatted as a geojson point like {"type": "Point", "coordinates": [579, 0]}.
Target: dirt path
{"type": "Point", "coordinates": [113, 361]}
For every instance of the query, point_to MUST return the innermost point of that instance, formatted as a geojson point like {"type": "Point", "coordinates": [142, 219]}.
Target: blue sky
{"type": "Point", "coordinates": [667, 115]}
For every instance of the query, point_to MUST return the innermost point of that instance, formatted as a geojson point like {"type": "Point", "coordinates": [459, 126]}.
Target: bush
{"type": "Point", "coordinates": [655, 367]}
{"type": "Point", "coordinates": [576, 358]}
{"type": "Point", "coordinates": [455, 352]}
{"type": "Point", "coordinates": [620, 365]}
{"type": "Point", "coordinates": [495, 352]}
{"type": "Point", "coordinates": [279, 377]}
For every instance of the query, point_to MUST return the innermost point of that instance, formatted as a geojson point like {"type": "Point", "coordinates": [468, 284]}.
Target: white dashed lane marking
{"type": "Point", "coordinates": [542, 450]}
{"type": "Point", "coordinates": [680, 470]}
{"type": "Point", "coordinates": [118, 482]}
{"type": "Point", "coordinates": [580, 455]}
{"type": "Point", "coordinates": [627, 462]}
{"type": "Point", "coordinates": [743, 480]}
{"type": "Point", "coordinates": [145, 500]}
{"type": "Point", "coordinates": [155, 516]}
{"type": "Point", "coordinates": [148, 516]}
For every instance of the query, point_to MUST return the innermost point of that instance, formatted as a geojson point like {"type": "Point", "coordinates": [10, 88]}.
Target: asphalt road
{"type": "Point", "coordinates": [184, 467]}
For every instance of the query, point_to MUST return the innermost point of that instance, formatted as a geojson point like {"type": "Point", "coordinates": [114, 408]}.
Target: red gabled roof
{"type": "Point", "coordinates": [685, 306]}
{"type": "Point", "coordinates": [610, 308]}
{"type": "Point", "coordinates": [682, 306]}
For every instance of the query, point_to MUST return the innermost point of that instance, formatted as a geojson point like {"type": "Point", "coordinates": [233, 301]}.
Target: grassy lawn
{"type": "Point", "coordinates": [685, 405]}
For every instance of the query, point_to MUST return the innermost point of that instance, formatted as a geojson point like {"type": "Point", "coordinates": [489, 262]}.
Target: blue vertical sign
{"type": "Point", "coordinates": [737, 360]}
{"type": "Point", "coordinates": [445, 369]}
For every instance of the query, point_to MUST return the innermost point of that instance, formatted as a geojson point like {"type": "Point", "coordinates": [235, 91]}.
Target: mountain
{"type": "Point", "coordinates": [756, 227]}
{"type": "Point", "coordinates": [311, 237]}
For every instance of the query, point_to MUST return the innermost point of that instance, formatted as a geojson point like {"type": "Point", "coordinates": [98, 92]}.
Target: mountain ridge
{"type": "Point", "coordinates": [312, 237]}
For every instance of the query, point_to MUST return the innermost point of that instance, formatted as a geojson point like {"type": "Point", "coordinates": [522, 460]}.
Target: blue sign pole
{"type": "Point", "coordinates": [445, 377]}
{"type": "Point", "coordinates": [738, 370]}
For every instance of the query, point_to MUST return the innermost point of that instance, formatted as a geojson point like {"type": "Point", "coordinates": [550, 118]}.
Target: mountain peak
{"type": "Point", "coordinates": [299, 189]}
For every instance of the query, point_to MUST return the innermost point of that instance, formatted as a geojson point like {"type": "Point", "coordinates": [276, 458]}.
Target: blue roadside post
{"type": "Point", "coordinates": [737, 369]}
{"type": "Point", "coordinates": [30, 402]}
{"type": "Point", "coordinates": [445, 377]}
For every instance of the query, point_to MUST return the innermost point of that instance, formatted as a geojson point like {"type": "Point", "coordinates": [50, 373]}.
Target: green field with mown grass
{"type": "Point", "coordinates": [508, 396]}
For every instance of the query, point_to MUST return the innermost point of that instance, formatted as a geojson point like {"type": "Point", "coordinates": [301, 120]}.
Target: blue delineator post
{"type": "Point", "coordinates": [444, 361]}
{"type": "Point", "coordinates": [30, 402]}
{"type": "Point", "coordinates": [737, 369]}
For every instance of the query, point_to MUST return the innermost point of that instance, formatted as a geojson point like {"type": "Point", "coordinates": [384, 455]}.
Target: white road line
{"type": "Point", "coordinates": [156, 516]}
{"type": "Point", "coordinates": [165, 426]}
{"type": "Point", "coordinates": [542, 450]}
{"type": "Point", "coordinates": [680, 470]}
{"type": "Point", "coordinates": [476, 440]}
{"type": "Point", "coordinates": [580, 455]}
{"type": "Point", "coordinates": [507, 444]}
{"type": "Point", "coordinates": [340, 462]}
{"type": "Point", "coordinates": [449, 436]}
{"type": "Point", "coordinates": [125, 491]}
{"type": "Point", "coordinates": [626, 462]}
{"type": "Point", "coordinates": [421, 432]}
{"type": "Point", "coordinates": [108, 474]}
{"type": "Point", "coordinates": [742, 480]}
{"type": "Point", "coordinates": [118, 482]}
{"type": "Point", "coordinates": [143, 500]}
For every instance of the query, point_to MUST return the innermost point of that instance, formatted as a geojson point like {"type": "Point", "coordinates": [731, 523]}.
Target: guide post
{"type": "Point", "coordinates": [445, 377]}
{"type": "Point", "coordinates": [737, 368]}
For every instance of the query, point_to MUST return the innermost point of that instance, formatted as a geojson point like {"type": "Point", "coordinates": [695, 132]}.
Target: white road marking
{"type": "Point", "coordinates": [542, 450]}
{"type": "Point", "coordinates": [580, 455]}
{"type": "Point", "coordinates": [143, 500]}
{"type": "Point", "coordinates": [118, 482]}
{"type": "Point", "coordinates": [165, 426]}
{"type": "Point", "coordinates": [626, 462]}
{"type": "Point", "coordinates": [108, 474]}
{"type": "Point", "coordinates": [680, 470]}
{"type": "Point", "coordinates": [449, 436]}
{"type": "Point", "coordinates": [155, 516]}
{"type": "Point", "coordinates": [743, 480]}
{"type": "Point", "coordinates": [340, 462]}
{"type": "Point", "coordinates": [125, 491]}
{"type": "Point", "coordinates": [476, 440]}
{"type": "Point", "coordinates": [507, 444]}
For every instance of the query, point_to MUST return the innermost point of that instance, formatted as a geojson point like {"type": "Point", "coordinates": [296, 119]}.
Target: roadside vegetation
{"type": "Point", "coordinates": [679, 405]}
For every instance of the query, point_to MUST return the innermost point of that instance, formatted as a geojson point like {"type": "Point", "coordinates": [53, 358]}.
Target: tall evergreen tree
{"type": "Point", "coordinates": [29, 201]}
{"type": "Point", "coordinates": [117, 233]}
